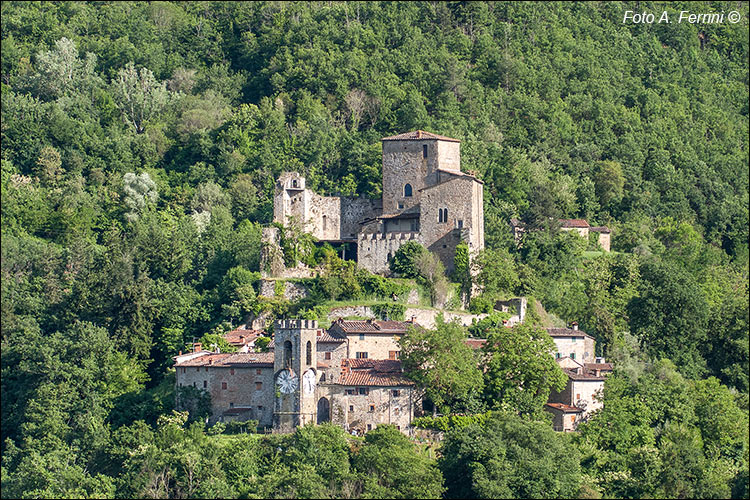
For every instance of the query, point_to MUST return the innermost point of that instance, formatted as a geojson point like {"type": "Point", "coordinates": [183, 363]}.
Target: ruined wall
{"type": "Point", "coordinates": [354, 211]}
{"type": "Point", "coordinates": [423, 317]}
{"type": "Point", "coordinates": [604, 241]}
{"type": "Point", "coordinates": [375, 250]}
{"type": "Point", "coordinates": [291, 290]}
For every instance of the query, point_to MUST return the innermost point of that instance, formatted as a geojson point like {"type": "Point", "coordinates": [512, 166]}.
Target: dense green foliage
{"type": "Point", "coordinates": [140, 144]}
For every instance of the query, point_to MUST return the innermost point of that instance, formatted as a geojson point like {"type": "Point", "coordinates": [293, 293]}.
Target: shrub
{"type": "Point", "coordinates": [448, 422]}
{"type": "Point", "coordinates": [404, 262]}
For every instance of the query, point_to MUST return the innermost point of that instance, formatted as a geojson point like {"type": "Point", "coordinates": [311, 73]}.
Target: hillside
{"type": "Point", "coordinates": [141, 142]}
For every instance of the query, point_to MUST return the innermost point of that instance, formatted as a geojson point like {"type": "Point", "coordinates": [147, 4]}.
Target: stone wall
{"type": "Point", "coordinates": [376, 345]}
{"type": "Point", "coordinates": [604, 241]}
{"type": "Point", "coordinates": [375, 250]}
{"type": "Point", "coordinates": [423, 317]}
{"type": "Point", "coordinates": [403, 164]}
{"type": "Point", "coordinates": [586, 390]}
{"type": "Point", "coordinates": [292, 290]}
{"type": "Point", "coordinates": [356, 412]}
{"type": "Point", "coordinates": [241, 391]}
{"type": "Point", "coordinates": [354, 211]}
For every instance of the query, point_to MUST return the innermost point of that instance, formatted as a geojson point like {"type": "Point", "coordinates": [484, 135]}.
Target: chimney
{"type": "Point", "coordinates": [598, 372]}
{"type": "Point", "coordinates": [179, 353]}
{"type": "Point", "coordinates": [574, 325]}
{"type": "Point", "coordinates": [196, 347]}
{"type": "Point", "coordinates": [413, 319]}
{"type": "Point", "coordinates": [419, 134]}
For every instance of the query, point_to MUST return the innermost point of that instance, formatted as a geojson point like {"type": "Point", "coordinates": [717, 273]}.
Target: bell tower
{"type": "Point", "coordinates": [295, 373]}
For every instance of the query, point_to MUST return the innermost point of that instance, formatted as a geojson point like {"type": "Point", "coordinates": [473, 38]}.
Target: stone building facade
{"type": "Point", "coordinates": [349, 375]}
{"type": "Point", "coordinates": [426, 198]}
{"type": "Point", "coordinates": [573, 343]}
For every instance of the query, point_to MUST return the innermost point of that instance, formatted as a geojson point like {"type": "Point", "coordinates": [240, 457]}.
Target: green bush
{"type": "Point", "coordinates": [481, 304]}
{"type": "Point", "coordinates": [389, 310]}
{"type": "Point", "coordinates": [234, 427]}
{"type": "Point", "coordinates": [448, 422]}
{"type": "Point", "coordinates": [404, 261]}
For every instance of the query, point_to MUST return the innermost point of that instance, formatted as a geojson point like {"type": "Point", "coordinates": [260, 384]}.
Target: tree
{"type": "Point", "coordinates": [440, 362]}
{"type": "Point", "coordinates": [609, 181]}
{"type": "Point", "coordinates": [140, 191]}
{"type": "Point", "coordinates": [509, 457]}
{"type": "Point", "coordinates": [390, 466]}
{"type": "Point", "coordinates": [139, 96]}
{"type": "Point", "coordinates": [432, 274]}
{"type": "Point", "coordinates": [496, 273]}
{"type": "Point", "coordinates": [520, 370]}
{"type": "Point", "coordinates": [404, 262]}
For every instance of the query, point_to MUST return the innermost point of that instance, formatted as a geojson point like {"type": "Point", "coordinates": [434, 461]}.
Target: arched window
{"type": "Point", "coordinates": [308, 353]}
{"type": "Point", "coordinates": [294, 183]}
{"type": "Point", "coordinates": [407, 191]}
{"type": "Point", "coordinates": [287, 354]}
{"type": "Point", "coordinates": [325, 222]}
{"type": "Point", "coordinates": [445, 215]}
{"type": "Point", "coordinates": [440, 215]}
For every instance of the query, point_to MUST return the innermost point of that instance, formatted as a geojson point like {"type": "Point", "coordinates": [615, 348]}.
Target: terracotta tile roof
{"type": "Point", "coordinates": [241, 336]}
{"type": "Point", "coordinates": [573, 223]}
{"type": "Point", "coordinates": [418, 134]}
{"type": "Point", "coordinates": [402, 215]}
{"type": "Point", "coordinates": [564, 408]}
{"type": "Point", "coordinates": [598, 366]}
{"type": "Point", "coordinates": [600, 229]}
{"type": "Point", "coordinates": [324, 336]}
{"type": "Point", "coordinates": [231, 359]}
{"type": "Point", "coordinates": [372, 372]}
{"type": "Point", "coordinates": [372, 326]}
{"type": "Point", "coordinates": [567, 332]}
{"type": "Point", "coordinates": [475, 343]}
{"type": "Point", "coordinates": [585, 375]}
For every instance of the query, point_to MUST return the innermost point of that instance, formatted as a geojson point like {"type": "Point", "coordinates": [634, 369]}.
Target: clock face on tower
{"type": "Point", "coordinates": [308, 382]}
{"type": "Point", "coordinates": [287, 382]}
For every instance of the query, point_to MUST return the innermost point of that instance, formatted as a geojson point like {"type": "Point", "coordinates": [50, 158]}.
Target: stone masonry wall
{"type": "Point", "coordinates": [241, 389]}
{"type": "Point", "coordinates": [423, 317]}
{"type": "Point", "coordinates": [375, 250]}
{"type": "Point", "coordinates": [388, 408]}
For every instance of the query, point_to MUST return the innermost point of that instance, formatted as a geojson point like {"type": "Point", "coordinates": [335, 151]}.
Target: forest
{"type": "Point", "coordinates": [140, 144]}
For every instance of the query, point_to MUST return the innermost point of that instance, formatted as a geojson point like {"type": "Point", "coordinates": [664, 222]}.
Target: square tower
{"type": "Point", "coordinates": [410, 161]}
{"type": "Point", "coordinates": [295, 373]}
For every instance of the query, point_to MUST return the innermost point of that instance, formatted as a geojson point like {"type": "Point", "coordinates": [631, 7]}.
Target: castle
{"type": "Point", "coordinates": [426, 199]}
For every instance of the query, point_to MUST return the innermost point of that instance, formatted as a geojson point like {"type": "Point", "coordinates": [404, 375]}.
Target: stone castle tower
{"type": "Point", "coordinates": [426, 198]}
{"type": "Point", "coordinates": [295, 376]}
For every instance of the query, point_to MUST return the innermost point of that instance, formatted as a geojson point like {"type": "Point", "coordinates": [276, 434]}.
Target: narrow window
{"type": "Point", "coordinates": [424, 151]}
{"type": "Point", "coordinates": [231, 405]}
{"type": "Point", "coordinates": [361, 336]}
{"type": "Point", "coordinates": [205, 384]}
{"type": "Point", "coordinates": [223, 386]}
{"type": "Point", "coordinates": [183, 370]}
{"type": "Point", "coordinates": [287, 354]}
{"type": "Point", "coordinates": [558, 355]}
{"type": "Point", "coordinates": [372, 408]}
{"type": "Point", "coordinates": [395, 394]}
{"type": "Point", "coordinates": [578, 396]}
{"type": "Point", "coordinates": [193, 384]}
{"type": "Point", "coordinates": [294, 183]}
{"type": "Point", "coordinates": [257, 372]}
{"type": "Point", "coordinates": [460, 224]}
{"type": "Point", "coordinates": [351, 392]}
{"type": "Point", "coordinates": [328, 355]}
{"type": "Point", "coordinates": [308, 353]}
{"type": "Point", "coordinates": [396, 411]}
{"type": "Point", "coordinates": [258, 386]}
{"type": "Point", "coordinates": [440, 215]}
{"type": "Point", "coordinates": [407, 191]}
{"type": "Point", "coordinates": [400, 206]}
{"type": "Point", "coordinates": [369, 427]}
{"type": "Point", "coordinates": [351, 407]}
{"type": "Point", "coordinates": [364, 391]}
{"type": "Point", "coordinates": [231, 371]}
{"type": "Point", "coordinates": [445, 215]}
{"type": "Point", "coordinates": [323, 377]}
{"type": "Point", "coordinates": [361, 355]}
{"type": "Point", "coordinates": [325, 222]}
{"type": "Point", "coordinates": [572, 355]}
{"type": "Point", "coordinates": [398, 427]}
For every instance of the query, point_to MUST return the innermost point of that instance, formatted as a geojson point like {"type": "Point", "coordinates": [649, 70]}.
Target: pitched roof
{"type": "Point", "coordinates": [324, 336]}
{"type": "Point", "coordinates": [564, 408]}
{"type": "Point", "coordinates": [241, 336]}
{"type": "Point", "coordinates": [605, 367]}
{"type": "Point", "coordinates": [418, 135]}
{"type": "Point", "coordinates": [372, 326]}
{"type": "Point", "coordinates": [573, 222]}
{"type": "Point", "coordinates": [372, 372]}
{"type": "Point", "coordinates": [584, 376]}
{"type": "Point", "coordinates": [231, 359]}
{"type": "Point", "coordinates": [600, 229]}
{"type": "Point", "coordinates": [566, 332]}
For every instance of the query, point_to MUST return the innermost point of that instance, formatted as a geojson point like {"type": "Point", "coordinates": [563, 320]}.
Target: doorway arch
{"type": "Point", "coordinates": [324, 410]}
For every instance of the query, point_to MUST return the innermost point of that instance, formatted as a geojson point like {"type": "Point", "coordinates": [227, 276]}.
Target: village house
{"type": "Point", "coordinates": [426, 199]}
{"type": "Point", "coordinates": [580, 226]}
{"type": "Point", "coordinates": [349, 375]}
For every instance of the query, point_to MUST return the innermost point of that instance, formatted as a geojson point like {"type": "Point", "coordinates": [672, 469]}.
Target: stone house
{"type": "Point", "coordinates": [310, 375]}
{"type": "Point", "coordinates": [426, 198]}
{"type": "Point", "coordinates": [565, 417]}
{"type": "Point", "coordinates": [573, 343]}
{"type": "Point", "coordinates": [584, 385]}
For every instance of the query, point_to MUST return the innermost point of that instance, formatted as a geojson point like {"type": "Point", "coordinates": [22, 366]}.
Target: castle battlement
{"type": "Point", "coordinates": [295, 324]}
{"type": "Point", "coordinates": [409, 235]}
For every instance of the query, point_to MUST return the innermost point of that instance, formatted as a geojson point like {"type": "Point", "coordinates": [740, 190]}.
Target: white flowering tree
{"type": "Point", "coordinates": [138, 95]}
{"type": "Point", "coordinates": [140, 190]}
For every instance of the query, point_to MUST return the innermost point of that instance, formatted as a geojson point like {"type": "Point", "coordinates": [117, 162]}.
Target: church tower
{"type": "Point", "coordinates": [295, 376]}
